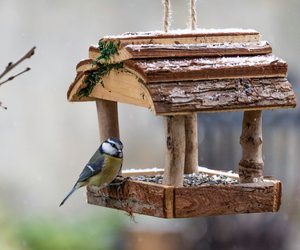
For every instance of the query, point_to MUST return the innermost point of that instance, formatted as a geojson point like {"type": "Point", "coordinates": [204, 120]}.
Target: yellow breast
{"type": "Point", "coordinates": [109, 172]}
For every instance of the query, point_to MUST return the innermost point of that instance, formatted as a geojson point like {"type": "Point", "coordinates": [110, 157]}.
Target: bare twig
{"type": "Point", "coordinates": [14, 76]}
{"type": "Point", "coordinates": [12, 65]}
{"type": "Point", "coordinates": [1, 106]}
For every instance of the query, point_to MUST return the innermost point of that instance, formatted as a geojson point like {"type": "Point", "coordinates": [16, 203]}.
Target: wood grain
{"type": "Point", "coordinates": [142, 51]}
{"type": "Point", "coordinates": [229, 199]}
{"type": "Point", "coordinates": [221, 95]}
{"type": "Point", "coordinates": [175, 150]}
{"type": "Point", "coordinates": [185, 37]}
{"type": "Point", "coordinates": [184, 202]}
{"type": "Point", "coordinates": [191, 144]}
{"type": "Point", "coordinates": [251, 163]}
{"type": "Point", "coordinates": [135, 197]}
{"type": "Point", "coordinates": [166, 70]}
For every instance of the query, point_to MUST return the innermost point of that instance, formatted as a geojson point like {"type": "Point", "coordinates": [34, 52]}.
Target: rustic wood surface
{"type": "Point", "coordinates": [251, 164]}
{"type": "Point", "coordinates": [191, 144]}
{"type": "Point", "coordinates": [75, 87]}
{"type": "Point", "coordinates": [120, 85]}
{"type": "Point", "coordinates": [184, 202]}
{"type": "Point", "coordinates": [85, 65]}
{"type": "Point", "coordinates": [186, 37]}
{"type": "Point", "coordinates": [135, 197]}
{"type": "Point", "coordinates": [227, 199]}
{"type": "Point", "coordinates": [221, 95]}
{"type": "Point", "coordinates": [165, 70]}
{"type": "Point", "coordinates": [175, 150]}
{"type": "Point", "coordinates": [108, 121]}
{"type": "Point", "coordinates": [141, 51]}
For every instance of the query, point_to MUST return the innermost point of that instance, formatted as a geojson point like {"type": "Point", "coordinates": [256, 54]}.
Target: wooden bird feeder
{"type": "Point", "coordinates": [177, 75]}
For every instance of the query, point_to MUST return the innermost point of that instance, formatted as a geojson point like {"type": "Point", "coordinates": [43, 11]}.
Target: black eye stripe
{"type": "Point", "coordinates": [114, 145]}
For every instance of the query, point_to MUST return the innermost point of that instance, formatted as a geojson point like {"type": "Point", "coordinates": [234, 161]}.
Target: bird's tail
{"type": "Point", "coordinates": [69, 194]}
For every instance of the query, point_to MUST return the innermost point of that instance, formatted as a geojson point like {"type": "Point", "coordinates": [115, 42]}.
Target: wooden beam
{"type": "Point", "coordinates": [185, 37]}
{"type": "Point", "coordinates": [108, 121]}
{"type": "Point", "coordinates": [251, 164]}
{"type": "Point", "coordinates": [175, 150]}
{"type": "Point", "coordinates": [221, 95]}
{"type": "Point", "coordinates": [191, 144]}
{"type": "Point", "coordinates": [142, 51]}
{"type": "Point", "coordinates": [135, 197]}
{"type": "Point", "coordinates": [227, 199]}
{"type": "Point", "coordinates": [167, 70]}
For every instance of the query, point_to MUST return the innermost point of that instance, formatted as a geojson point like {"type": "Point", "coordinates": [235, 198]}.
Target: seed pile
{"type": "Point", "coordinates": [191, 180]}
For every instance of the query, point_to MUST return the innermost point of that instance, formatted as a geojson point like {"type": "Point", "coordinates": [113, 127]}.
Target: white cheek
{"type": "Point", "coordinates": [107, 148]}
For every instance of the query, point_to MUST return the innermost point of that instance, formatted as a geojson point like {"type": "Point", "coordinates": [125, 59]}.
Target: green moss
{"type": "Point", "coordinates": [95, 76]}
{"type": "Point", "coordinates": [106, 49]}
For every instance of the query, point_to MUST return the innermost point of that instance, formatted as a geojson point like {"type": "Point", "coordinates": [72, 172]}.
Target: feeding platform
{"type": "Point", "coordinates": [222, 194]}
{"type": "Point", "coordinates": [177, 75]}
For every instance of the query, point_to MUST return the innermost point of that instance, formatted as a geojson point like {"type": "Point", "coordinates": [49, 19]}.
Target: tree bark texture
{"type": "Point", "coordinates": [166, 70]}
{"type": "Point", "coordinates": [251, 164]}
{"type": "Point", "coordinates": [221, 95]}
{"type": "Point", "coordinates": [175, 155]}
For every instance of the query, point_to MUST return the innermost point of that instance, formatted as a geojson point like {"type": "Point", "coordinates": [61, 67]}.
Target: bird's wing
{"type": "Point", "coordinates": [93, 167]}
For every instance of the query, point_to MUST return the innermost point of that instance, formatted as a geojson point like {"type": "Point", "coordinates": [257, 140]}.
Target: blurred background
{"type": "Point", "coordinates": [45, 140]}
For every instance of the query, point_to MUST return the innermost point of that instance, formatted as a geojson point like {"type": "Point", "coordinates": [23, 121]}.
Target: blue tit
{"type": "Point", "coordinates": [102, 168]}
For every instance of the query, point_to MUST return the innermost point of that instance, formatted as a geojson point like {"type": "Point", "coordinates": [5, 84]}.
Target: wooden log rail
{"type": "Point", "coordinates": [182, 148]}
{"type": "Point", "coordinates": [108, 121]}
{"type": "Point", "coordinates": [251, 164]}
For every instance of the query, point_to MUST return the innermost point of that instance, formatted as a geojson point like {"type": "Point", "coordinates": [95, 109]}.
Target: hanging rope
{"type": "Point", "coordinates": [167, 8]}
{"type": "Point", "coordinates": [167, 15]}
{"type": "Point", "coordinates": [193, 17]}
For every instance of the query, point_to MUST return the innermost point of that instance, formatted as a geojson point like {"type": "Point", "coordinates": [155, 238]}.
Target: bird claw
{"type": "Point", "coordinates": [120, 181]}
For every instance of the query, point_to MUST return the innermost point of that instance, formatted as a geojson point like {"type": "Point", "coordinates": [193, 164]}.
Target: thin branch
{"type": "Point", "coordinates": [12, 65]}
{"type": "Point", "coordinates": [14, 76]}
{"type": "Point", "coordinates": [1, 106]}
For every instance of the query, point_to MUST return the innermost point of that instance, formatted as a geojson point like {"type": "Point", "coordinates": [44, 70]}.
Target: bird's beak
{"type": "Point", "coordinates": [120, 153]}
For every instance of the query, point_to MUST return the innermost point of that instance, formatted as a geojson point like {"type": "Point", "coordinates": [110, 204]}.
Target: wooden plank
{"type": "Point", "coordinates": [142, 51]}
{"type": "Point", "coordinates": [221, 95]}
{"type": "Point", "coordinates": [135, 197]}
{"type": "Point", "coordinates": [75, 87]}
{"type": "Point", "coordinates": [185, 37]}
{"type": "Point", "coordinates": [184, 202]}
{"type": "Point", "coordinates": [119, 85]}
{"type": "Point", "coordinates": [227, 199]}
{"type": "Point", "coordinates": [166, 70]}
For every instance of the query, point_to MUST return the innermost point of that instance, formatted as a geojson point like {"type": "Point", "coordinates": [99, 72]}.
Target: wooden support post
{"type": "Point", "coordinates": [175, 155]}
{"type": "Point", "coordinates": [191, 144]}
{"type": "Point", "coordinates": [107, 119]}
{"type": "Point", "coordinates": [251, 164]}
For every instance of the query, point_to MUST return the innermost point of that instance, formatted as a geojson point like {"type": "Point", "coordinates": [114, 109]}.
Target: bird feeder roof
{"type": "Point", "coordinates": [182, 72]}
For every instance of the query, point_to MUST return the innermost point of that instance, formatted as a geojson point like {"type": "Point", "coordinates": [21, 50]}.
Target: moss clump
{"type": "Point", "coordinates": [95, 76]}
{"type": "Point", "coordinates": [106, 49]}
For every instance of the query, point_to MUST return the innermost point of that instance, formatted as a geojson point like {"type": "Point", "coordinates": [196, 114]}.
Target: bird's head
{"type": "Point", "coordinates": [112, 147]}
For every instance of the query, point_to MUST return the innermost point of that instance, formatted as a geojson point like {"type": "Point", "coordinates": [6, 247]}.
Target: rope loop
{"type": "Point", "coordinates": [167, 15]}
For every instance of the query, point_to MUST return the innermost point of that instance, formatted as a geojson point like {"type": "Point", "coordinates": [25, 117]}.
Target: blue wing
{"type": "Point", "coordinates": [93, 167]}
